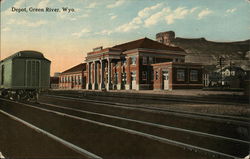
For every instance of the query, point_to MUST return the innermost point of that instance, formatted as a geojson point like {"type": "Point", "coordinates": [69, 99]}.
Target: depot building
{"type": "Point", "coordinates": [139, 65]}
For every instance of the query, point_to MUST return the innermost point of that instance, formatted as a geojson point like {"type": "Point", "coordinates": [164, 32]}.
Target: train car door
{"type": "Point", "coordinates": [165, 80]}
{"type": "Point", "coordinates": [33, 73]}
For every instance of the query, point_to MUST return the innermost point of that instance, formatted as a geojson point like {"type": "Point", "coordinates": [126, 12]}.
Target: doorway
{"type": "Point", "coordinates": [165, 76]}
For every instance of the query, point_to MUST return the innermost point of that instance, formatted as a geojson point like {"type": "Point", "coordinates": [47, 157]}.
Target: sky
{"type": "Point", "coordinates": [65, 37]}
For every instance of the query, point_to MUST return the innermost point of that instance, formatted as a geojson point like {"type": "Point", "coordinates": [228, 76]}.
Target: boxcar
{"type": "Point", "coordinates": [24, 75]}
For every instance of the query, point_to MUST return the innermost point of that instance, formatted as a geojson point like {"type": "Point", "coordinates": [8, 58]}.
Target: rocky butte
{"type": "Point", "coordinates": [208, 52]}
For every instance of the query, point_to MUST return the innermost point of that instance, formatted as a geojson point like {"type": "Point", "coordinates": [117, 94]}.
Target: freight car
{"type": "Point", "coordinates": [23, 75]}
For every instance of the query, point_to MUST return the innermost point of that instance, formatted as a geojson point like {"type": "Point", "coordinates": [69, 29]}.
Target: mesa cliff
{"type": "Point", "coordinates": [200, 50]}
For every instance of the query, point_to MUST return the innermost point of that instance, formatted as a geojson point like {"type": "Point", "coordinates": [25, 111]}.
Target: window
{"type": "Point", "coordinates": [133, 76]}
{"type": "Point", "coordinates": [79, 79]}
{"type": "Point", "coordinates": [156, 75]}
{"type": "Point", "coordinates": [124, 62]}
{"type": "Point", "coordinates": [116, 78]}
{"type": "Point", "coordinates": [144, 60]}
{"type": "Point", "coordinates": [150, 60]}
{"type": "Point", "coordinates": [233, 73]}
{"type": "Point", "coordinates": [144, 75]}
{"type": "Point", "coordinates": [74, 79]}
{"type": "Point", "coordinates": [133, 60]}
{"type": "Point", "coordinates": [124, 77]}
{"type": "Point", "coordinates": [194, 75]}
{"type": "Point", "coordinates": [180, 75]}
{"type": "Point", "coordinates": [152, 76]}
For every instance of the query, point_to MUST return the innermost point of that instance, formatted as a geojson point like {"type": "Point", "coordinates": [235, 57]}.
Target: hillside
{"type": "Point", "coordinates": [208, 52]}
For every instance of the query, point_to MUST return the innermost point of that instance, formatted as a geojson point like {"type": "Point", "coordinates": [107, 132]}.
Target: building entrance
{"type": "Point", "coordinates": [165, 80]}
{"type": "Point", "coordinates": [133, 80]}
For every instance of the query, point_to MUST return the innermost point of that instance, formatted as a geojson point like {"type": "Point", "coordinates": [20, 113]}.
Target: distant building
{"type": "Point", "coordinates": [138, 65]}
{"type": "Point", "coordinates": [229, 76]}
{"type": "Point", "coordinates": [54, 82]}
{"type": "Point", "coordinates": [73, 78]}
{"type": "Point", "coordinates": [233, 77]}
{"type": "Point", "coordinates": [57, 74]}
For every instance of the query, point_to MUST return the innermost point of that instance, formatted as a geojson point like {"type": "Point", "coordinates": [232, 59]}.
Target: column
{"type": "Point", "coordinates": [97, 74]}
{"type": "Point", "coordinates": [128, 74]}
{"type": "Point", "coordinates": [170, 79]}
{"type": "Point", "coordinates": [94, 76]}
{"type": "Point", "coordinates": [112, 75]}
{"type": "Point", "coordinates": [101, 85]}
{"type": "Point", "coordinates": [109, 75]}
{"type": "Point", "coordinates": [137, 72]}
{"type": "Point", "coordinates": [88, 86]}
{"type": "Point", "coordinates": [119, 83]}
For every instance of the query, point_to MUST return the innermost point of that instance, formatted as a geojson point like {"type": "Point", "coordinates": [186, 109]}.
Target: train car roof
{"type": "Point", "coordinates": [26, 54]}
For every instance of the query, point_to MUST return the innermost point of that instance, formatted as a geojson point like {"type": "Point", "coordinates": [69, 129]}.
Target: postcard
{"type": "Point", "coordinates": [124, 79]}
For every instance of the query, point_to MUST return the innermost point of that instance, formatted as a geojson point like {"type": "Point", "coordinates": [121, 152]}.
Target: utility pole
{"type": "Point", "coordinates": [221, 60]}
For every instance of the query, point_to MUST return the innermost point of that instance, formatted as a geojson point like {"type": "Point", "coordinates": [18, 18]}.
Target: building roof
{"type": "Point", "coordinates": [77, 68]}
{"type": "Point", "coordinates": [145, 43]}
{"type": "Point", "coordinates": [26, 54]}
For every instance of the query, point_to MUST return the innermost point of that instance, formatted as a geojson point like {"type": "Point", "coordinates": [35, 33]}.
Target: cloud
{"type": "Point", "coordinates": [92, 5]}
{"type": "Point", "coordinates": [168, 15]}
{"type": "Point", "coordinates": [193, 9]}
{"type": "Point", "coordinates": [178, 13]}
{"type": "Point", "coordinates": [27, 23]}
{"type": "Point", "coordinates": [146, 11]}
{"type": "Point", "coordinates": [155, 18]}
{"type": "Point", "coordinates": [116, 4]}
{"type": "Point", "coordinates": [104, 32]}
{"type": "Point", "coordinates": [113, 17]}
{"type": "Point", "coordinates": [204, 13]}
{"type": "Point", "coordinates": [231, 10]}
{"type": "Point", "coordinates": [134, 24]}
{"type": "Point", "coordinates": [81, 33]}
{"type": "Point", "coordinates": [151, 15]}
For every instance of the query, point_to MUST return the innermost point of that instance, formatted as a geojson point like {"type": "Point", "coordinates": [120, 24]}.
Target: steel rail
{"type": "Point", "coordinates": [149, 124]}
{"type": "Point", "coordinates": [166, 98]}
{"type": "Point", "coordinates": [73, 147]}
{"type": "Point", "coordinates": [238, 120]}
{"type": "Point", "coordinates": [134, 132]}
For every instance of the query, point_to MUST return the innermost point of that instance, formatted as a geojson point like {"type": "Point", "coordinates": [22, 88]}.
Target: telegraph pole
{"type": "Point", "coordinates": [221, 60]}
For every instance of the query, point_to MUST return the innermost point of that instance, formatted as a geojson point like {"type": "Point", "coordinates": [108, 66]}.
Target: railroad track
{"type": "Point", "coordinates": [226, 118]}
{"type": "Point", "coordinates": [81, 153]}
{"type": "Point", "coordinates": [152, 131]}
{"type": "Point", "coordinates": [230, 100]}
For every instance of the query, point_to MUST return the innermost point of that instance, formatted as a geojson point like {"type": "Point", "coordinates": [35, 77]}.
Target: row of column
{"type": "Point", "coordinates": [98, 78]}
{"type": "Point", "coordinates": [95, 79]}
